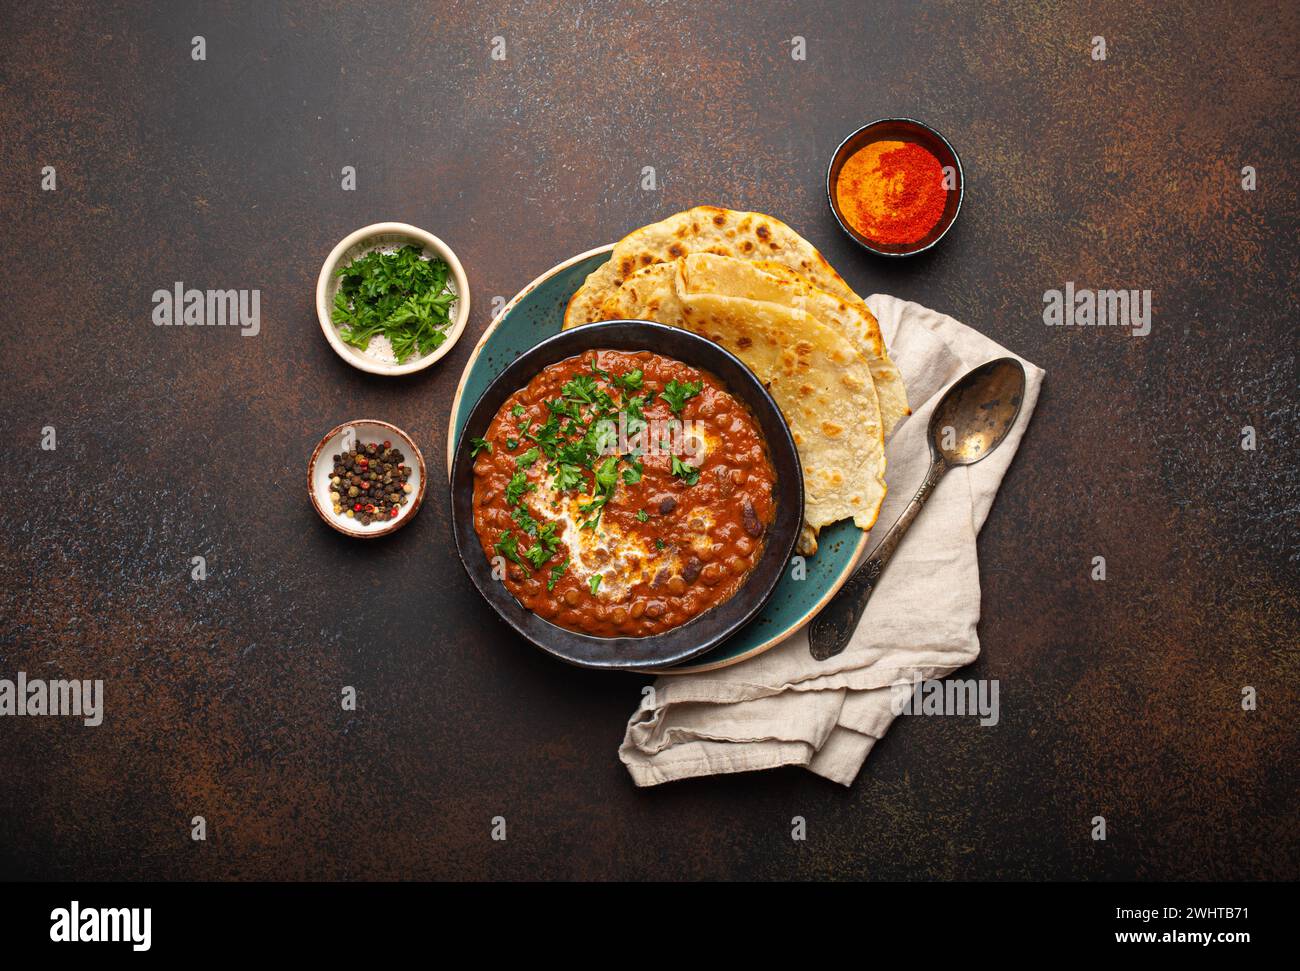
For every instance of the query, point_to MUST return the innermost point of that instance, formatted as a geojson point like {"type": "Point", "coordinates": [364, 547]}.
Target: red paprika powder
{"type": "Point", "coordinates": [892, 192]}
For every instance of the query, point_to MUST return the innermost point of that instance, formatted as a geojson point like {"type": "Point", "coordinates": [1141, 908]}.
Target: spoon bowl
{"type": "Point", "coordinates": [977, 412]}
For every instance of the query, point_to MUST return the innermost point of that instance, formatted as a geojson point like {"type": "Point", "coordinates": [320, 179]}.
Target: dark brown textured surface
{"type": "Point", "coordinates": [1119, 698]}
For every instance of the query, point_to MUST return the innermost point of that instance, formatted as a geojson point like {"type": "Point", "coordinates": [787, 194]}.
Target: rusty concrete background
{"type": "Point", "coordinates": [1119, 698]}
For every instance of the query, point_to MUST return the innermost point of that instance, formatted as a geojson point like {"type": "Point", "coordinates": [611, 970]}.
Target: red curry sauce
{"type": "Point", "coordinates": [622, 493]}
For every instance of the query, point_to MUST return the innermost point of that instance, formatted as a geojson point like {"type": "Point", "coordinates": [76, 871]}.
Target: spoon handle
{"type": "Point", "coordinates": [830, 630]}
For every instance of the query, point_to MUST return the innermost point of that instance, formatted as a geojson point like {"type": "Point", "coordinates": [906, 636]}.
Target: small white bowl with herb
{"type": "Point", "coordinates": [392, 299]}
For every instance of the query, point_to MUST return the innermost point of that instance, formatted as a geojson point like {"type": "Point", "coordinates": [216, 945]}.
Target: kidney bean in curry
{"type": "Point", "coordinates": [622, 493]}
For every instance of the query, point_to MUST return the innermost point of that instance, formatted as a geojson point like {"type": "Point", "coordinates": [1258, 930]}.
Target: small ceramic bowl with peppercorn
{"type": "Point", "coordinates": [366, 478]}
{"type": "Point", "coordinates": [392, 299]}
{"type": "Point", "coordinates": [895, 186]}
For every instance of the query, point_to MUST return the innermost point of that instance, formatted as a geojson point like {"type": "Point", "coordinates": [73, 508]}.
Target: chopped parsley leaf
{"type": "Point", "coordinates": [518, 486]}
{"type": "Point", "coordinates": [567, 477]}
{"type": "Point", "coordinates": [676, 393]}
{"type": "Point", "coordinates": [556, 573]}
{"type": "Point", "coordinates": [630, 381]}
{"type": "Point", "coordinates": [548, 436]}
{"type": "Point", "coordinates": [525, 520]}
{"type": "Point", "coordinates": [479, 445]}
{"type": "Point", "coordinates": [400, 295]}
{"type": "Point", "coordinates": [569, 409]}
{"type": "Point", "coordinates": [687, 473]}
{"type": "Point", "coordinates": [607, 474]}
{"type": "Point", "coordinates": [582, 387]}
{"type": "Point", "coordinates": [508, 546]}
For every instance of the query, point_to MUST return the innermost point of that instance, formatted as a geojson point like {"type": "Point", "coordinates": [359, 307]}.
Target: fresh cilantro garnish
{"type": "Point", "coordinates": [557, 572]}
{"type": "Point", "coordinates": [582, 387]}
{"type": "Point", "coordinates": [400, 295]}
{"type": "Point", "coordinates": [601, 371]}
{"type": "Point", "coordinates": [547, 535]}
{"type": "Point", "coordinates": [607, 474]}
{"type": "Point", "coordinates": [632, 474]}
{"type": "Point", "coordinates": [642, 515]}
{"type": "Point", "coordinates": [560, 406]}
{"type": "Point", "coordinates": [606, 477]}
{"type": "Point", "coordinates": [630, 381]}
{"type": "Point", "coordinates": [578, 452]}
{"type": "Point", "coordinates": [677, 393]}
{"type": "Point", "coordinates": [594, 583]}
{"type": "Point", "coordinates": [604, 436]}
{"type": "Point", "coordinates": [687, 473]}
{"type": "Point", "coordinates": [566, 477]}
{"type": "Point", "coordinates": [544, 548]}
{"type": "Point", "coordinates": [659, 544]}
{"type": "Point", "coordinates": [633, 417]}
{"type": "Point", "coordinates": [511, 444]}
{"type": "Point", "coordinates": [479, 445]}
{"type": "Point", "coordinates": [525, 520]}
{"type": "Point", "coordinates": [518, 486]}
{"type": "Point", "coordinates": [508, 546]}
{"type": "Point", "coordinates": [548, 435]}
{"type": "Point", "coordinates": [517, 410]}
{"type": "Point", "coordinates": [526, 459]}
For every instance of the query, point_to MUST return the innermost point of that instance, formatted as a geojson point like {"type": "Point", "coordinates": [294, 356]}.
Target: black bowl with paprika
{"type": "Point", "coordinates": [895, 186]}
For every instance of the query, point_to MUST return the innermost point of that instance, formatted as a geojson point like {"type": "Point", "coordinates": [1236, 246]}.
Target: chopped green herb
{"type": "Point", "coordinates": [607, 474]}
{"type": "Point", "coordinates": [526, 459]}
{"type": "Point", "coordinates": [632, 474]}
{"type": "Point", "coordinates": [567, 477]}
{"type": "Point", "coordinates": [642, 515]}
{"type": "Point", "coordinates": [677, 393]}
{"type": "Point", "coordinates": [556, 573]}
{"type": "Point", "coordinates": [687, 473]}
{"type": "Point", "coordinates": [511, 444]}
{"type": "Point", "coordinates": [400, 295]}
{"type": "Point", "coordinates": [479, 445]}
{"type": "Point", "coordinates": [604, 436]}
{"type": "Point", "coordinates": [518, 486]}
{"type": "Point", "coordinates": [630, 381]}
{"type": "Point", "coordinates": [517, 410]}
{"type": "Point", "coordinates": [594, 583]}
{"type": "Point", "coordinates": [548, 436]}
{"type": "Point", "coordinates": [525, 520]}
{"type": "Point", "coordinates": [508, 546]}
{"type": "Point", "coordinates": [659, 544]}
{"type": "Point", "coordinates": [582, 387]}
{"type": "Point", "coordinates": [560, 406]}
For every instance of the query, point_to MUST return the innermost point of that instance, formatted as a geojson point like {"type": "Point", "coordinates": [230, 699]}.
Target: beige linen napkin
{"type": "Point", "coordinates": [784, 708]}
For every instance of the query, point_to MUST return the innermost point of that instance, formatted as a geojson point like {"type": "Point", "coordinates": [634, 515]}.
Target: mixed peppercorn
{"type": "Point", "coordinates": [369, 483]}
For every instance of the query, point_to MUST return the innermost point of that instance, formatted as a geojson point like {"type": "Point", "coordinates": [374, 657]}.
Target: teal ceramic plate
{"type": "Point", "coordinates": [537, 312]}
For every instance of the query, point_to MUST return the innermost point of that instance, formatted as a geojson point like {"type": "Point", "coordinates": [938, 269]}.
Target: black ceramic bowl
{"type": "Point", "coordinates": [711, 627]}
{"type": "Point", "coordinates": [899, 130]}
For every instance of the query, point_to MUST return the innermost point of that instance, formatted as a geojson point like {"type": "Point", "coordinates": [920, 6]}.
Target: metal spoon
{"type": "Point", "coordinates": [970, 421]}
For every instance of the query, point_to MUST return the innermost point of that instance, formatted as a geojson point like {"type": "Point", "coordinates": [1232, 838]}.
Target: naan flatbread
{"type": "Point", "coordinates": [817, 376]}
{"type": "Point", "coordinates": [749, 236]}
